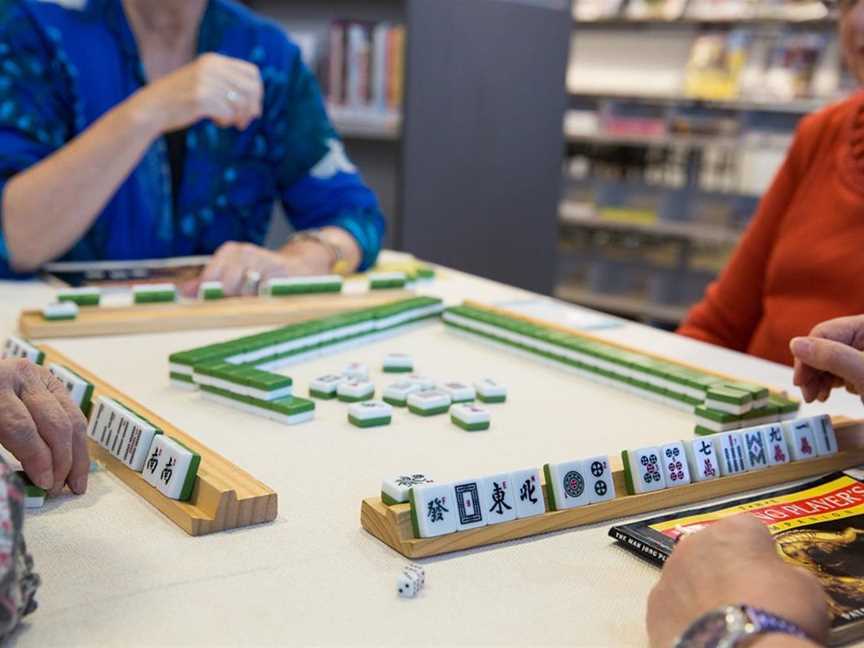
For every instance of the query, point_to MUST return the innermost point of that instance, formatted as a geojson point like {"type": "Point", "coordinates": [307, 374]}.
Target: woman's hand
{"type": "Point", "coordinates": [227, 90]}
{"type": "Point", "coordinates": [42, 427]}
{"type": "Point", "coordinates": [831, 356]}
{"type": "Point", "coordinates": [733, 562]}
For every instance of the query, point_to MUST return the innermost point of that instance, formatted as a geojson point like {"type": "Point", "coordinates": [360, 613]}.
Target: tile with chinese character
{"type": "Point", "coordinates": [676, 471]}
{"type": "Point", "coordinates": [802, 439]}
{"type": "Point", "coordinates": [433, 510]}
{"type": "Point", "coordinates": [566, 484]}
{"type": "Point", "coordinates": [396, 489]}
{"type": "Point", "coordinates": [498, 498]}
{"type": "Point", "coordinates": [171, 467]}
{"type": "Point", "coordinates": [702, 459]}
{"type": "Point", "coordinates": [775, 444]}
{"type": "Point", "coordinates": [529, 493]}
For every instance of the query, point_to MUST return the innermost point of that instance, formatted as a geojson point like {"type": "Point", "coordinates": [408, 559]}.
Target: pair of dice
{"type": "Point", "coordinates": [411, 581]}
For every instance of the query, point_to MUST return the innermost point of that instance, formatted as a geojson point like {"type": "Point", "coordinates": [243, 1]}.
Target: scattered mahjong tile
{"type": "Point", "coordinates": [425, 273]}
{"type": "Point", "coordinates": [288, 286]}
{"type": "Point", "coordinates": [755, 448]}
{"type": "Point", "coordinates": [826, 438]}
{"type": "Point", "coordinates": [429, 402]}
{"type": "Point", "coordinates": [459, 392]}
{"type": "Point", "coordinates": [529, 493]}
{"type": "Point", "coordinates": [370, 414]}
{"type": "Point", "coordinates": [397, 393]}
{"type": "Point", "coordinates": [777, 448]}
{"type": "Point", "coordinates": [498, 498]}
{"type": "Point", "coordinates": [802, 439]}
{"type": "Point", "coordinates": [154, 293]}
{"type": "Point", "coordinates": [80, 391]}
{"type": "Point", "coordinates": [34, 497]}
{"type": "Point", "coordinates": [470, 417]}
{"type": "Point", "coordinates": [488, 391]}
{"type": "Point", "coordinates": [643, 470]}
{"type": "Point", "coordinates": [566, 484]}
{"type": "Point", "coordinates": [702, 459]}
{"type": "Point", "coordinates": [730, 449]}
{"type": "Point", "coordinates": [470, 513]}
{"type": "Point", "coordinates": [423, 382]}
{"type": "Point", "coordinates": [397, 490]}
{"type": "Point", "coordinates": [398, 363]}
{"type": "Point", "coordinates": [60, 311]}
{"type": "Point", "coordinates": [727, 399]}
{"type": "Point", "coordinates": [171, 467]}
{"type": "Point", "coordinates": [356, 371]}
{"type": "Point", "coordinates": [210, 290]}
{"type": "Point", "coordinates": [433, 510]}
{"type": "Point", "coordinates": [16, 347]}
{"type": "Point", "coordinates": [715, 420]}
{"type": "Point", "coordinates": [354, 390]}
{"type": "Point", "coordinates": [387, 280]}
{"type": "Point", "coordinates": [324, 387]}
{"type": "Point", "coordinates": [80, 296]}
{"type": "Point", "coordinates": [601, 487]}
{"type": "Point", "coordinates": [676, 471]}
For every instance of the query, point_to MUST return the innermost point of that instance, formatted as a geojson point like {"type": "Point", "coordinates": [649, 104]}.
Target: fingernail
{"type": "Point", "coordinates": [45, 480]}
{"type": "Point", "coordinates": [801, 346]}
{"type": "Point", "coordinates": [79, 485]}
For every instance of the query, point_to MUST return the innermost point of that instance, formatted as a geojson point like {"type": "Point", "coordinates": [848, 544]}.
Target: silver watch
{"type": "Point", "coordinates": [734, 626]}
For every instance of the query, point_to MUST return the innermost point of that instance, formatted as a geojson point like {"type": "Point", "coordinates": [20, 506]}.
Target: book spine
{"type": "Point", "coordinates": [638, 546]}
{"type": "Point", "coordinates": [396, 68]}
{"type": "Point", "coordinates": [379, 66]}
{"type": "Point", "coordinates": [336, 75]}
{"type": "Point", "coordinates": [358, 66]}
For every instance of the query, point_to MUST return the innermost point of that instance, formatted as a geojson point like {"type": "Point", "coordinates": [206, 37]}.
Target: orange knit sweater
{"type": "Point", "coordinates": [801, 260]}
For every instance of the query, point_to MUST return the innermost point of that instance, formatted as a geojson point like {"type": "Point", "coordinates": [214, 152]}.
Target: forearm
{"type": "Point", "coordinates": [50, 206]}
{"type": "Point", "coordinates": [320, 257]}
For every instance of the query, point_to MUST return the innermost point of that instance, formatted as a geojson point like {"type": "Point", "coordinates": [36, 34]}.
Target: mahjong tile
{"type": "Point", "coordinates": [353, 390]}
{"type": "Point", "coordinates": [567, 485]}
{"type": "Point", "coordinates": [730, 449]}
{"type": "Point", "coordinates": [601, 487]}
{"type": "Point", "coordinates": [398, 363]}
{"type": "Point", "coordinates": [755, 448]}
{"type": "Point", "coordinates": [397, 393]}
{"type": "Point", "coordinates": [423, 382]}
{"type": "Point", "coordinates": [776, 445]}
{"type": "Point", "coordinates": [356, 371]}
{"type": "Point", "coordinates": [498, 498]}
{"type": "Point", "coordinates": [325, 386]}
{"type": "Point", "coordinates": [529, 493]}
{"type": "Point", "coordinates": [470, 417]}
{"type": "Point", "coordinates": [397, 489]}
{"type": "Point", "coordinates": [702, 459]}
{"type": "Point", "coordinates": [429, 401]}
{"type": "Point", "coordinates": [826, 438]}
{"type": "Point", "coordinates": [459, 392]}
{"type": "Point", "coordinates": [802, 439]}
{"type": "Point", "coordinates": [171, 467]}
{"type": "Point", "coordinates": [469, 508]}
{"type": "Point", "coordinates": [489, 391]}
{"type": "Point", "coordinates": [370, 413]}
{"type": "Point", "coordinates": [643, 470]}
{"type": "Point", "coordinates": [675, 468]}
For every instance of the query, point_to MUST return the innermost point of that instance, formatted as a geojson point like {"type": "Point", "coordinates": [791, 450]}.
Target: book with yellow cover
{"type": "Point", "coordinates": [818, 526]}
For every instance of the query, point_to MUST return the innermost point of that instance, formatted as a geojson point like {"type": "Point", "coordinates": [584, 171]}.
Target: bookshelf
{"type": "Point", "coordinates": [469, 172]}
{"type": "Point", "coordinates": [659, 181]}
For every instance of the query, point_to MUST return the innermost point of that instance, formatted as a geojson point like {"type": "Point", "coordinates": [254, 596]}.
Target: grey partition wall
{"type": "Point", "coordinates": [483, 136]}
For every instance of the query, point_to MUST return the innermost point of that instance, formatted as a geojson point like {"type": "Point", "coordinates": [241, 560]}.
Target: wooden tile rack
{"type": "Point", "coordinates": [392, 524]}
{"type": "Point", "coordinates": [224, 497]}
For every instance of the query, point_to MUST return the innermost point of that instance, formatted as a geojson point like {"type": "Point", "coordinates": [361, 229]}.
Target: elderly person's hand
{"type": "Point", "coordinates": [831, 356]}
{"type": "Point", "coordinates": [734, 562]}
{"type": "Point", "coordinates": [42, 427]}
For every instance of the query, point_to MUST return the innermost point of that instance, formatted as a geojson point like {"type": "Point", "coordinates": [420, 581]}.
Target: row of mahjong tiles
{"type": "Point", "coordinates": [440, 509]}
{"type": "Point", "coordinates": [718, 404]}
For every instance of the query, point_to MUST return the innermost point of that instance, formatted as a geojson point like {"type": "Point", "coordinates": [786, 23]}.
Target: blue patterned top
{"type": "Point", "coordinates": [64, 63]}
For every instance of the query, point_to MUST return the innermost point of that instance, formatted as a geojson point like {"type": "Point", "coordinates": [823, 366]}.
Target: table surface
{"type": "Point", "coordinates": [115, 571]}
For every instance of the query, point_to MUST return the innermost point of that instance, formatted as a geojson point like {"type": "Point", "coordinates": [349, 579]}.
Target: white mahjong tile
{"type": "Point", "coordinates": [372, 409]}
{"type": "Point", "coordinates": [529, 492]}
{"type": "Point", "coordinates": [423, 382]}
{"type": "Point", "coordinates": [601, 488]}
{"type": "Point", "coordinates": [397, 488]}
{"type": "Point", "coordinates": [469, 507]}
{"type": "Point", "coordinates": [75, 385]}
{"type": "Point", "coordinates": [399, 391]}
{"type": "Point", "coordinates": [398, 361]}
{"type": "Point", "coordinates": [167, 466]}
{"type": "Point", "coordinates": [60, 310]}
{"type": "Point", "coordinates": [207, 286]}
{"type": "Point", "coordinates": [459, 392]}
{"type": "Point", "coordinates": [433, 510]}
{"type": "Point", "coordinates": [646, 469]}
{"type": "Point", "coordinates": [776, 446]}
{"type": "Point", "coordinates": [327, 383]}
{"type": "Point", "coordinates": [498, 498]}
{"type": "Point", "coordinates": [802, 439]}
{"type": "Point", "coordinates": [469, 413]}
{"type": "Point", "coordinates": [676, 471]}
{"type": "Point", "coordinates": [730, 450]}
{"type": "Point", "coordinates": [429, 399]}
{"type": "Point", "coordinates": [755, 448]}
{"type": "Point", "coordinates": [702, 459]}
{"type": "Point", "coordinates": [568, 484]}
{"type": "Point", "coordinates": [353, 388]}
{"type": "Point", "coordinates": [356, 371]}
{"type": "Point", "coordinates": [826, 438]}
{"type": "Point", "coordinates": [105, 421]}
{"type": "Point", "coordinates": [488, 388]}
